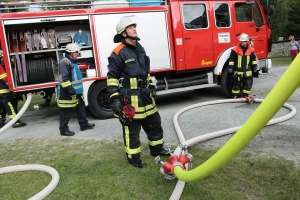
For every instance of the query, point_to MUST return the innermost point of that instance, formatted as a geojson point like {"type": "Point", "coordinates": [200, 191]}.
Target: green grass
{"type": "Point", "coordinates": [99, 170]}
{"type": "Point", "coordinates": [281, 61]}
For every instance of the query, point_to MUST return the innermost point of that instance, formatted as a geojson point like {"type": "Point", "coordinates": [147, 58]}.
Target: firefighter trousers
{"type": "Point", "coordinates": [14, 103]}
{"type": "Point", "coordinates": [65, 115]}
{"type": "Point", "coordinates": [131, 135]}
{"type": "Point", "coordinates": [7, 106]}
{"type": "Point", "coordinates": [242, 86]}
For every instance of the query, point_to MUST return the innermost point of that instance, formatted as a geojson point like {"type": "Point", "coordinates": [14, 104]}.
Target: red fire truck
{"type": "Point", "coordinates": [188, 42]}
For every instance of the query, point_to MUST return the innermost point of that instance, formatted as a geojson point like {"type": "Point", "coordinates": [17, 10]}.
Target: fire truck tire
{"type": "Point", "coordinates": [99, 103]}
{"type": "Point", "coordinates": [226, 83]}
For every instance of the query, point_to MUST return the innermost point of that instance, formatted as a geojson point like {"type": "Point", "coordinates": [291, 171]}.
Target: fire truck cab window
{"type": "Point", "coordinates": [257, 16]}
{"type": "Point", "coordinates": [195, 16]}
{"type": "Point", "coordinates": [222, 15]}
{"type": "Point", "coordinates": [243, 12]}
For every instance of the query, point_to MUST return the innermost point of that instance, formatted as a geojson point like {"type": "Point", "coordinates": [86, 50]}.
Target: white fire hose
{"type": "Point", "coordinates": [180, 184]}
{"type": "Point", "coordinates": [55, 176]}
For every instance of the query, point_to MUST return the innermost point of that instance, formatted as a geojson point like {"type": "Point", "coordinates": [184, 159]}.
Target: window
{"type": "Point", "coordinates": [222, 15]}
{"type": "Point", "coordinates": [257, 16]}
{"type": "Point", "coordinates": [194, 16]}
{"type": "Point", "coordinates": [243, 12]}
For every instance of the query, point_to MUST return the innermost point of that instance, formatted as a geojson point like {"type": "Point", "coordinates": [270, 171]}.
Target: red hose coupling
{"type": "Point", "coordinates": [176, 164]}
{"type": "Point", "coordinates": [173, 159]}
{"type": "Point", "coordinates": [249, 99]}
{"type": "Point", "coordinates": [167, 167]}
{"type": "Point", "coordinates": [185, 158]}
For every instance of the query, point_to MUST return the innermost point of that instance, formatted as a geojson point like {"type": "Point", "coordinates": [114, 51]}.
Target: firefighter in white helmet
{"type": "Point", "coordinates": [70, 91]}
{"type": "Point", "coordinates": [132, 93]}
{"type": "Point", "coordinates": [243, 65]}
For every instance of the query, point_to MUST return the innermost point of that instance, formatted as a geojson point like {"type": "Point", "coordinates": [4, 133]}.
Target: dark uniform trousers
{"type": "Point", "coordinates": [8, 107]}
{"type": "Point", "coordinates": [65, 114]}
{"type": "Point", "coordinates": [14, 104]}
{"type": "Point", "coordinates": [242, 84]}
{"type": "Point", "coordinates": [131, 134]}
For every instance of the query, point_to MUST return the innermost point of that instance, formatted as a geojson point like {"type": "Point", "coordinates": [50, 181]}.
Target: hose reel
{"type": "Point", "coordinates": [39, 71]}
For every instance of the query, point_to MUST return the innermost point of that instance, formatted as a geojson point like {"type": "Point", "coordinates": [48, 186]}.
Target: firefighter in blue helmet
{"type": "Point", "coordinates": [243, 65]}
{"type": "Point", "coordinates": [70, 91]}
{"type": "Point", "coordinates": [132, 93]}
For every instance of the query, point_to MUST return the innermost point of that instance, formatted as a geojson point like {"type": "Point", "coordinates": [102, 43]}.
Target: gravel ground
{"type": "Point", "coordinates": [281, 139]}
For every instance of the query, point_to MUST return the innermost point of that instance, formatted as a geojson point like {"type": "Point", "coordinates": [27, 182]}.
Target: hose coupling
{"type": "Point", "coordinates": [183, 148]}
{"type": "Point", "coordinates": [185, 158]}
{"type": "Point", "coordinates": [42, 93]}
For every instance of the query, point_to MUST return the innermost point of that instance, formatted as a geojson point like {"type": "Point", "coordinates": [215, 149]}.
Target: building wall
{"type": "Point", "coordinates": [280, 49]}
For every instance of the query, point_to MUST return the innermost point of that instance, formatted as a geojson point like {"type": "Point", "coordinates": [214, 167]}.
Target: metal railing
{"type": "Point", "coordinates": [45, 5]}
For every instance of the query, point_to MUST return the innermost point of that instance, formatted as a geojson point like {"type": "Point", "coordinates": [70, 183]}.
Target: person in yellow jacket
{"type": "Point", "coordinates": [243, 64]}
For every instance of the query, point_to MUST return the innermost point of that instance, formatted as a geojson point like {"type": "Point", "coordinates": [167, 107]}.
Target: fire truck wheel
{"type": "Point", "coordinates": [226, 83]}
{"type": "Point", "coordinates": [98, 99]}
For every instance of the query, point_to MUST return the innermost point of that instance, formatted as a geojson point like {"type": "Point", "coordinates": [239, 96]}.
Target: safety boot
{"type": "Point", "coordinates": [161, 152]}
{"type": "Point", "coordinates": [140, 164]}
{"type": "Point", "coordinates": [87, 126]}
{"type": "Point", "coordinates": [19, 124]}
{"type": "Point", "coordinates": [135, 160]}
{"type": "Point", "coordinates": [67, 133]}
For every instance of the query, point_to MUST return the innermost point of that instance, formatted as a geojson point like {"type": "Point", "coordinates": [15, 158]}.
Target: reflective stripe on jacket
{"type": "Point", "coordinates": [69, 83]}
{"type": "Point", "coordinates": [131, 63]}
{"type": "Point", "coordinates": [243, 60]}
{"type": "Point", "coordinates": [3, 81]}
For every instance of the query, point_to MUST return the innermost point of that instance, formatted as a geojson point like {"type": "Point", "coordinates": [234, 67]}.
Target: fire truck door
{"type": "Point", "coordinates": [197, 36]}
{"type": "Point", "coordinates": [249, 20]}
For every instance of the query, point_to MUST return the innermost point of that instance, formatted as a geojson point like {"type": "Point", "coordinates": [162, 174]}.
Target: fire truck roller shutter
{"type": "Point", "coordinates": [99, 101]}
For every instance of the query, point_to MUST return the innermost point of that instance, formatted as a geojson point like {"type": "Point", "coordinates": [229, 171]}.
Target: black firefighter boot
{"type": "Point", "coordinates": [136, 161]}
{"type": "Point", "coordinates": [67, 133]}
{"type": "Point", "coordinates": [19, 124]}
{"type": "Point", "coordinates": [159, 150]}
{"type": "Point", "coordinates": [87, 126]}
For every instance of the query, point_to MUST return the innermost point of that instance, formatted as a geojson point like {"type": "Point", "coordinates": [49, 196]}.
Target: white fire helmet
{"type": "Point", "coordinates": [123, 24]}
{"type": "Point", "coordinates": [73, 47]}
{"type": "Point", "coordinates": [244, 37]}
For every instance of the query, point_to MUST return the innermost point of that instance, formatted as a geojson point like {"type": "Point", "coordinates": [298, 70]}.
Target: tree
{"type": "Point", "coordinates": [279, 19]}
{"type": "Point", "coordinates": [293, 25]}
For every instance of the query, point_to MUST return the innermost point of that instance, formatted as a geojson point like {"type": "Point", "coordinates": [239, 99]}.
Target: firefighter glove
{"type": "Point", "coordinates": [124, 119]}
{"type": "Point", "coordinates": [230, 69]}
{"type": "Point", "coordinates": [116, 106]}
{"type": "Point", "coordinates": [255, 69]}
